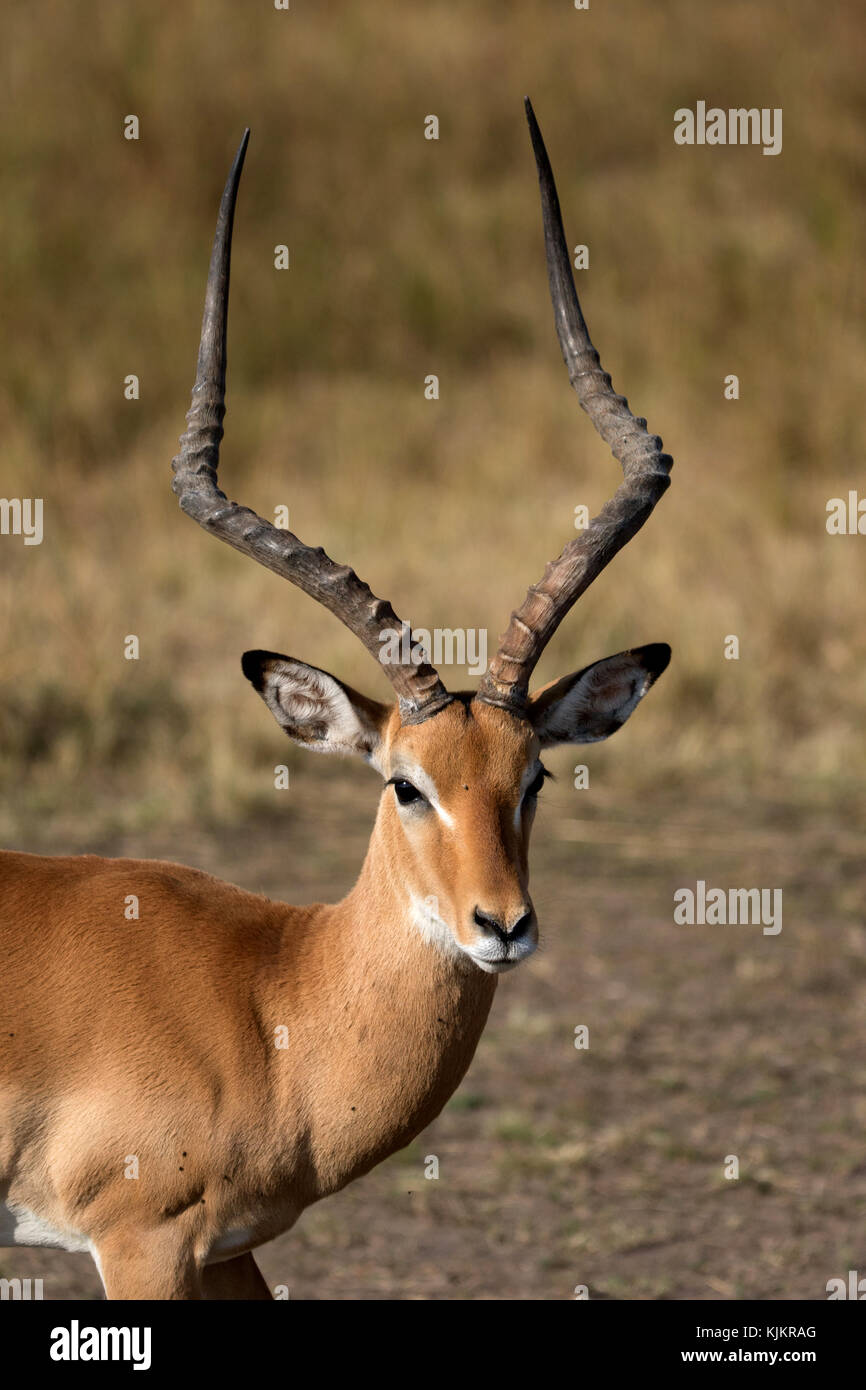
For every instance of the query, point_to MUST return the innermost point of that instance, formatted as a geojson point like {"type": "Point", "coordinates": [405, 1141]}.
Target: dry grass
{"type": "Point", "coordinates": [411, 257]}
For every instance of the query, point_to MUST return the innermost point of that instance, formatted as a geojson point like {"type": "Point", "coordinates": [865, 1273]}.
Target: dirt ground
{"type": "Point", "coordinates": [605, 1167]}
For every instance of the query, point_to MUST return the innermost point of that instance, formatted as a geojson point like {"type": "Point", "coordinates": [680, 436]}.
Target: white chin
{"type": "Point", "coordinates": [494, 967]}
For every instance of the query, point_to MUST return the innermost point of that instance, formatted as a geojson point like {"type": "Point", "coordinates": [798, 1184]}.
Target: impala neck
{"type": "Point", "coordinates": [409, 990]}
{"type": "Point", "coordinates": [390, 1025]}
{"type": "Point", "coordinates": [379, 926]}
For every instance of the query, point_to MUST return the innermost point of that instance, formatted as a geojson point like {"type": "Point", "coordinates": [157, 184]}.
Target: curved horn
{"type": "Point", "coordinates": [337, 587]}
{"type": "Point", "coordinates": [644, 466]}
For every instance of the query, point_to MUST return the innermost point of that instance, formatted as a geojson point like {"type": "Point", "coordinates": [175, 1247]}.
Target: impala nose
{"type": "Point", "coordinates": [495, 925]}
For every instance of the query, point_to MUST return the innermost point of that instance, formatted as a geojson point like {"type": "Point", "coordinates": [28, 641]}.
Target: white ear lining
{"type": "Point", "coordinates": [316, 711]}
{"type": "Point", "coordinates": [598, 702]}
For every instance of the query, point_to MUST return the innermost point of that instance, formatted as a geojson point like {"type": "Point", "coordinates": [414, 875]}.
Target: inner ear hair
{"type": "Point", "coordinates": [591, 704]}
{"type": "Point", "coordinates": [313, 707]}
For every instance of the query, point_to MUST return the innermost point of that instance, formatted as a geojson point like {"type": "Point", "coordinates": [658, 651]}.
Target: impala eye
{"type": "Point", "coordinates": [405, 792]}
{"type": "Point", "coordinates": [537, 782]}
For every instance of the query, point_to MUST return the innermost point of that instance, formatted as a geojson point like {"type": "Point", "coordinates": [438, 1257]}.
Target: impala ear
{"type": "Point", "coordinates": [314, 708]}
{"type": "Point", "coordinates": [592, 704]}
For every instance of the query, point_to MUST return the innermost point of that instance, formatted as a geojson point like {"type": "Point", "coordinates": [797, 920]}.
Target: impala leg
{"type": "Point", "coordinates": [147, 1266]}
{"type": "Point", "coordinates": [239, 1278]}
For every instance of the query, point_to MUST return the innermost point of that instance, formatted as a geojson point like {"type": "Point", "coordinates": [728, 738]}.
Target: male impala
{"type": "Point", "coordinates": [148, 1113]}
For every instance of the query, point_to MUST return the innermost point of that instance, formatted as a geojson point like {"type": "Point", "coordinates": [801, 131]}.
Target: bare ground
{"type": "Point", "coordinates": [606, 1167]}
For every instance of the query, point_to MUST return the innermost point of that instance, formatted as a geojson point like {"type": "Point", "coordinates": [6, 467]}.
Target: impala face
{"type": "Point", "coordinates": [461, 795]}
{"type": "Point", "coordinates": [461, 786]}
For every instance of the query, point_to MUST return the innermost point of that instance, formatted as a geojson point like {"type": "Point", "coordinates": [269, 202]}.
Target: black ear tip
{"type": "Point", "coordinates": [252, 665]}
{"type": "Point", "coordinates": [655, 657]}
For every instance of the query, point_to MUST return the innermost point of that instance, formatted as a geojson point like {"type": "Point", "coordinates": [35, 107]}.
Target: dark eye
{"type": "Point", "coordinates": [405, 792]}
{"type": "Point", "coordinates": [537, 783]}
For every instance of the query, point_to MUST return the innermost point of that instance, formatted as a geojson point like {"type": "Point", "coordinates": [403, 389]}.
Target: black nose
{"type": "Point", "coordinates": [497, 927]}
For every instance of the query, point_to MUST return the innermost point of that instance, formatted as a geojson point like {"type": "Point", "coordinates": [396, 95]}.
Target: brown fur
{"type": "Point", "coordinates": [155, 1038]}
{"type": "Point", "coordinates": [153, 1042]}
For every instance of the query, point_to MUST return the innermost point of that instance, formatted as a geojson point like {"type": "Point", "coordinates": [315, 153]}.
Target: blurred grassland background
{"type": "Point", "coordinates": [411, 257]}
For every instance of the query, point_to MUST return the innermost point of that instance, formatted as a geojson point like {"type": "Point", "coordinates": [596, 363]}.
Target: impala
{"type": "Point", "coordinates": [175, 1095]}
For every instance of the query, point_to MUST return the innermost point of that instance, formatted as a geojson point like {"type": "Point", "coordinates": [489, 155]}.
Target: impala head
{"type": "Point", "coordinates": [462, 771]}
